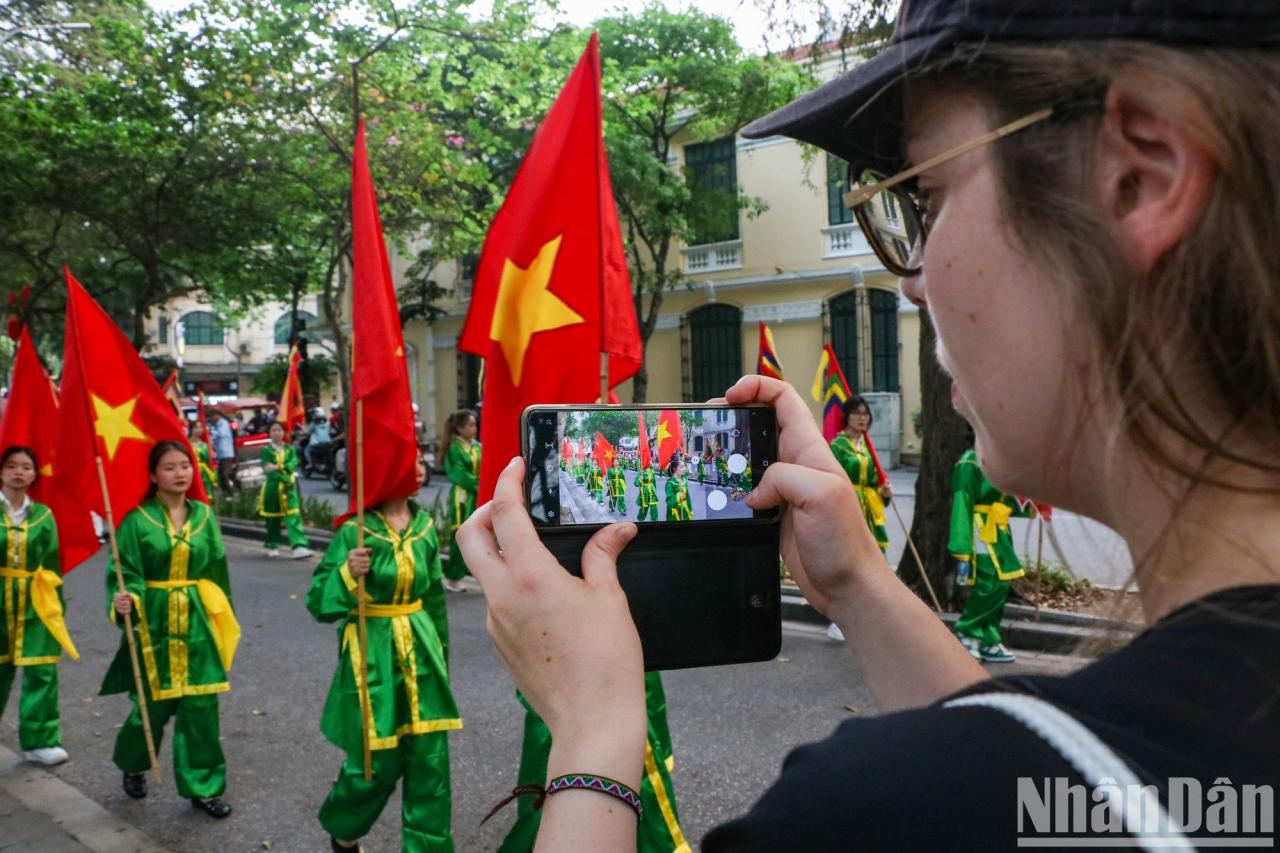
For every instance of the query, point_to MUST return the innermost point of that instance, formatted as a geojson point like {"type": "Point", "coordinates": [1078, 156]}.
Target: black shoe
{"type": "Point", "coordinates": [339, 848]}
{"type": "Point", "coordinates": [213, 806]}
{"type": "Point", "coordinates": [135, 785]}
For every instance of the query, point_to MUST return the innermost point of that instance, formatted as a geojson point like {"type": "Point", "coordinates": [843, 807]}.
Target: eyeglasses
{"type": "Point", "coordinates": [894, 225]}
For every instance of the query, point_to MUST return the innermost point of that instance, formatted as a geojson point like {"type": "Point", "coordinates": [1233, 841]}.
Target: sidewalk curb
{"type": "Point", "coordinates": [79, 817]}
{"type": "Point", "coordinates": [1056, 631]}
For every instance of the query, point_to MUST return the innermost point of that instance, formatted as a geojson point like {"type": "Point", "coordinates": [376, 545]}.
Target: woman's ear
{"type": "Point", "coordinates": [1154, 174]}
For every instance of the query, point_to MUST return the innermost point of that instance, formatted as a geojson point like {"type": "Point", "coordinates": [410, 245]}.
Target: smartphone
{"type": "Point", "coordinates": [701, 575]}
{"type": "Point", "coordinates": [587, 466]}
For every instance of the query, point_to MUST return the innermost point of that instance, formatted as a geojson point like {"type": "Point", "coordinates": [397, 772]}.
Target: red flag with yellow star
{"type": "Point", "coordinates": [111, 407]}
{"type": "Point", "coordinates": [552, 289]}
{"type": "Point", "coordinates": [379, 372]}
{"type": "Point", "coordinates": [292, 411]}
{"type": "Point", "coordinates": [670, 436]}
{"type": "Point", "coordinates": [30, 414]}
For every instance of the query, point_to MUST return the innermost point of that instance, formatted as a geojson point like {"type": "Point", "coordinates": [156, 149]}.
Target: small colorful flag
{"type": "Point", "coordinates": [292, 411]}
{"type": "Point", "coordinates": [768, 363]}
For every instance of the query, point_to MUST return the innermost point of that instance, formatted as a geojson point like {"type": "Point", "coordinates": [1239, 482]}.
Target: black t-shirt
{"type": "Point", "coordinates": [1195, 695]}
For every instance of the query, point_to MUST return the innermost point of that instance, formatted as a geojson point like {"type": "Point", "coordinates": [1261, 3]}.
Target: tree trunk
{"type": "Point", "coordinates": [946, 437]}
{"type": "Point", "coordinates": [333, 298]}
{"type": "Point", "coordinates": [640, 382]}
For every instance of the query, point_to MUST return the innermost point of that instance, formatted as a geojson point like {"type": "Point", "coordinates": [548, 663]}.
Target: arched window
{"type": "Point", "coordinates": [202, 328]}
{"type": "Point", "coordinates": [842, 312]}
{"type": "Point", "coordinates": [306, 320]}
{"type": "Point", "coordinates": [884, 339]}
{"type": "Point", "coordinates": [714, 341]}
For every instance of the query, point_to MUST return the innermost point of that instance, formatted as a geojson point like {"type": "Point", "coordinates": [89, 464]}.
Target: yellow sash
{"type": "Point", "coordinates": [388, 611]}
{"type": "Point", "coordinates": [222, 620]}
{"type": "Point", "coordinates": [997, 518]}
{"type": "Point", "coordinates": [44, 600]}
{"type": "Point", "coordinates": [873, 502]}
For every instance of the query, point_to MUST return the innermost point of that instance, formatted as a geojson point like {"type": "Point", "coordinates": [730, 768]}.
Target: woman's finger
{"type": "Point", "coordinates": [797, 485]}
{"type": "Point", "coordinates": [600, 556]}
{"type": "Point", "coordinates": [479, 550]}
{"type": "Point", "coordinates": [511, 522]}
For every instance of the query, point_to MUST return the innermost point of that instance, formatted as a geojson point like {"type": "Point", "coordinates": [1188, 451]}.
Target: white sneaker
{"type": "Point", "coordinates": [272, 553]}
{"type": "Point", "coordinates": [997, 654]}
{"type": "Point", "coordinates": [834, 632]}
{"type": "Point", "coordinates": [48, 756]}
{"type": "Point", "coordinates": [454, 586]}
{"type": "Point", "coordinates": [970, 645]}
{"type": "Point", "coordinates": [302, 553]}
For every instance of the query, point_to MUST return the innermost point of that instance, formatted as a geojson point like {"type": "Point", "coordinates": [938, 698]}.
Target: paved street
{"type": "Point", "coordinates": [582, 508]}
{"type": "Point", "coordinates": [731, 725]}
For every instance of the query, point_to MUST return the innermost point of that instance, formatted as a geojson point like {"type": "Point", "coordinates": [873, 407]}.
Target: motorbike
{"type": "Point", "coordinates": [338, 465]}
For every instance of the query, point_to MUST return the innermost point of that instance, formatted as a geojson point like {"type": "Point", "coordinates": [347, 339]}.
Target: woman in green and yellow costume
{"type": "Point", "coordinates": [647, 501]}
{"type": "Point", "coordinates": [204, 457]}
{"type": "Point", "coordinates": [678, 506]}
{"type": "Point", "coordinates": [176, 584]}
{"type": "Point", "coordinates": [851, 451]}
{"type": "Point", "coordinates": [279, 499]}
{"type": "Point", "coordinates": [618, 488]}
{"type": "Point", "coordinates": [33, 634]}
{"type": "Point", "coordinates": [407, 699]}
{"type": "Point", "coordinates": [595, 482]}
{"type": "Point", "coordinates": [988, 563]}
{"type": "Point", "coordinates": [462, 467]}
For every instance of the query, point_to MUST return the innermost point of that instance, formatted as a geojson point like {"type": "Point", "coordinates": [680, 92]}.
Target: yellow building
{"type": "Point", "coordinates": [802, 266]}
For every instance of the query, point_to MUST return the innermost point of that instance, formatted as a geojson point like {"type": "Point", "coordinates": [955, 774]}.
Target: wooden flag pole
{"type": "Point", "coordinates": [360, 612]}
{"type": "Point", "coordinates": [128, 623]}
{"type": "Point", "coordinates": [916, 554]}
{"type": "Point", "coordinates": [604, 379]}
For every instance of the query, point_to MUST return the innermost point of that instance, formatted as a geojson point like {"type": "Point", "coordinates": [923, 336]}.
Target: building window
{"type": "Point", "coordinates": [468, 380]}
{"type": "Point", "coordinates": [306, 321]}
{"type": "Point", "coordinates": [837, 213]}
{"type": "Point", "coordinates": [884, 340]}
{"type": "Point", "coordinates": [162, 331]}
{"type": "Point", "coordinates": [842, 313]}
{"type": "Point", "coordinates": [711, 172]}
{"type": "Point", "coordinates": [715, 350]}
{"type": "Point", "coordinates": [201, 328]}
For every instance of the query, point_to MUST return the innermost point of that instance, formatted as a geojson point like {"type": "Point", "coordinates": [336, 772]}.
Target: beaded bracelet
{"type": "Point", "coordinates": [603, 784]}
{"type": "Point", "coordinates": [585, 781]}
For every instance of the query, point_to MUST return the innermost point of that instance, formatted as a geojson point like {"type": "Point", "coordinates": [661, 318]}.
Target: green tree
{"type": "Point", "coordinates": [664, 73]}
{"type": "Point", "coordinates": [319, 375]}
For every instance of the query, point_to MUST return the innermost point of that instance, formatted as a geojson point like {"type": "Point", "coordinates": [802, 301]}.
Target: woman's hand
{"type": "Point", "coordinates": [358, 562]}
{"type": "Point", "coordinates": [123, 602]}
{"type": "Point", "coordinates": [569, 643]}
{"type": "Point", "coordinates": [823, 548]}
{"type": "Point", "coordinates": [886, 492]}
{"type": "Point", "coordinates": [270, 466]}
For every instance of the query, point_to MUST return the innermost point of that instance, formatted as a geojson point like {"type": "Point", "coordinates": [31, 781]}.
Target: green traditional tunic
{"type": "Point", "coordinates": [659, 831]}
{"type": "Point", "coordinates": [462, 467]}
{"type": "Point", "coordinates": [33, 634]}
{"type": "Point", "coordinates": [992, 558]}
{"type": "Point", "coordinates": [204, 462]}
{"type": "Point", "coordinates": [407, 702]}
{"type": "Point", "coordinates": [702, 469]}
{"type": "Point", "coordinates": [595, 483]}
{"type": "Point", "coordinates": [279, 499]}
{"type": "Point", "coordinates": [617, 490]}
{"type": "Point", "coordinates": [647, 501]}
{"type": "Point", "coordinates": [678, 506]}
{"type": "Point", "coordinates": [855, 459]}
{"type": "Point", "coordinates": [186, 633]}
{"type": "Point", "coordinates": [722, 468]}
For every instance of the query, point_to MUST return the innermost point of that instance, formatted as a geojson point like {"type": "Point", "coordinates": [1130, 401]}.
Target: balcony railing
{"type": "Point", "coordinates": [841, 240]}
{"type": "Point", "coordinates": [711, 257]}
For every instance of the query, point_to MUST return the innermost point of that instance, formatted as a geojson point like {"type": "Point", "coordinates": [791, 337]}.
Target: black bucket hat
{"type": "Point", "coordinates": [858, 116]}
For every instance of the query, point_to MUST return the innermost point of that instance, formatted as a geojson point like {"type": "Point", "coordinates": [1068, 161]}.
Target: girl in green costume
{"type": "Point", "coordinates": [678, 506]}
{"type": "Point", "coordinates": [204, 458]}
{"type": "Point", "coordinates": [990, 560]}
{"type": "Point", "coordinates": [462, 467]}
{"type": "Point", "coordinates": [279, 497]}
{"type": "Point", "coordinates": [850, 449]}
{"type": "Point", "coordinates": [407, 699]}
{"type": "Point", "coordinates": [618, 489]}
{"type": "Point", "coordinates": [648, 498]}
{"type": "Point", "coordinates": [175, 577]}
{"type": "Point", "coordinates": [32, 632]}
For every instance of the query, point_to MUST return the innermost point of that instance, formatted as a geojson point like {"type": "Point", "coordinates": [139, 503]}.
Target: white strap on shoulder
{"type": "Point", "coordinates": [1092, 758]}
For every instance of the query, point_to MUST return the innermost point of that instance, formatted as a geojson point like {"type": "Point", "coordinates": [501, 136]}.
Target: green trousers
{"type": "Point", "coordinates": [293, 525]}
{"type": "Point", "coordinates": [982, 615]}
{"type": "Point", "coordinates": [651, 511]}
{"type": "Point", "coordinates": [353, 805]}
{"type": "Point", "coordinates": [199, 767]}
{"type": "Point", "coordinates": [38, 725]}
{"type": "Point", "coordinates": [659, 831]}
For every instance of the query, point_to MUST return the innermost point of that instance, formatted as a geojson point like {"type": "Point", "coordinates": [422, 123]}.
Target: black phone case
{"type": "Point", "coordinates": [699, 598]}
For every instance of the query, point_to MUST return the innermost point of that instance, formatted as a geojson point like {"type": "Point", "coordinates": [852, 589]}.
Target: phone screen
{"type": "Point", "coordinates": [598, 465]}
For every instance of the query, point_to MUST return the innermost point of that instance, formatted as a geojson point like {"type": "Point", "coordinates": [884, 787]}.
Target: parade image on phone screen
{"type": "Point", "coordinates": [645, 465]}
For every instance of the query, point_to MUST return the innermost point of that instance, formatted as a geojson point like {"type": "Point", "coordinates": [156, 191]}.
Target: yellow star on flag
{"type": "Point", "coordinates": [662, 431]}
{"type": "Point", "coordinates": [115, 423]}
{"type": "Point", "coordinates": [525, 307]}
